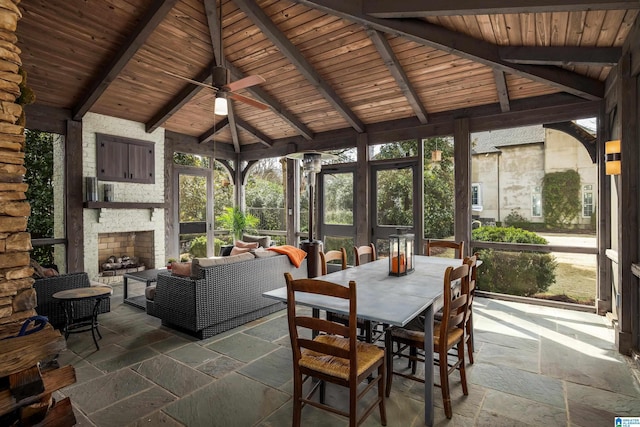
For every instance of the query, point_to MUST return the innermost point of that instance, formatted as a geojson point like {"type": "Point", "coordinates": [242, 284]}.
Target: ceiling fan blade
{"type": "Point", "coordinates": [244, 82]}
{"type": "Point", "coordinates": [247, 100]}
{"type": "Point", "coordinates": [195, 82]}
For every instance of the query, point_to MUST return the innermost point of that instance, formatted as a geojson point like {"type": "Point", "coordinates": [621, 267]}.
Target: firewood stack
{"type": "Point", "coordinates": [26, 386]}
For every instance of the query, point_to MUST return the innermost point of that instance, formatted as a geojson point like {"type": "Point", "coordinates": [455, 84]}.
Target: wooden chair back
{"type": "Point", "coordinates": [436, 247]}
{"type": "Point", "coordinates": [472, 262]}
{"type": "Point", "coordinates": [454, 311]}
{"type": "Point", "coordinates": [334, 355]}
{"type": "Point", "coordinates": [360, 251]}
{"type": "Point", "coordinates": [339, 255]}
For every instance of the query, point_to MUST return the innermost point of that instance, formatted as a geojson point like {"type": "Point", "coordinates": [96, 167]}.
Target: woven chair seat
{"type": "Point", "coordinates": [367, 356]}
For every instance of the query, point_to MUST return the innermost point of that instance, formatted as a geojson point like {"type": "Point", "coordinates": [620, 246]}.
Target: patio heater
{"type": "Point", "coordinates": [311, 165]}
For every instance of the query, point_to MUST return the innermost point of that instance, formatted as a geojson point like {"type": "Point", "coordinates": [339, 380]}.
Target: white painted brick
{"type": "Point", "coordinates": [98, 221]}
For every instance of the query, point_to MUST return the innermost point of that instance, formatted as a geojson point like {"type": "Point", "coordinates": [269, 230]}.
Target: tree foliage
{"type": "Point", "coordinates": [39, 176]}
{"type": "Point", "coordinates": [439, 189]}
{"type": "Point", "coordinates": [561, 202]}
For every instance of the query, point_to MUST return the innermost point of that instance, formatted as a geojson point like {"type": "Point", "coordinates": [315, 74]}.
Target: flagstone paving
{"type": "Point", "coordinates": [534, 366]}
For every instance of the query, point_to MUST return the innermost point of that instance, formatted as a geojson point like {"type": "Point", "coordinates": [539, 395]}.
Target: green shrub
{"type": "Point", "coordinates": [198, 248]}
{"type": "Point", "coordinates": [515, 219]}
{"type": "Point", "coordinates": [510, 272]}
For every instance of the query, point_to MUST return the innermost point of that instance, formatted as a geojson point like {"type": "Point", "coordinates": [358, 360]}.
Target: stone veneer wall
{"type": "Point", "coordinates": [98, 221]}
{"type": "Point", "coordinates": [17, 296]}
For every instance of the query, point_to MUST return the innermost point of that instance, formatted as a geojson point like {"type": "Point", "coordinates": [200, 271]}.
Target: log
{"type": "Point", "coordinates": [11, 7]}
{"type": "Point", "coordinates": [53, 380]}
{"type": "Point", "coordinates": [19, 242]}
{"type": "Point", "coordinates": [6, 65]}
{"type": "Point", "coordinates": [5, 300]}
{"type": "Point", "coordinates": [6, 311]}
{"type": "Point", "coordinates": [6, 86]}
{"type": "Point", "coordinates": [20, 353]}
{"type": "Point", "coordinates": [61, 415]}
{"type": "Point", "coordinates": [8, 36]}
{"type": "Point", "coordinates": [8, 20]}
{"type": "Point", "coordinates": [5, 75]}
{"type": "Point", "coordinates": [21, 138]}
{"type": "Point", "coordinates": [36, 412]}
{"type": "Point", "coordinates": [8, 127]}
{"type": "Point", "coordinates": [26, 383]}
{"type": "Point", "coordinates": [7, 177]}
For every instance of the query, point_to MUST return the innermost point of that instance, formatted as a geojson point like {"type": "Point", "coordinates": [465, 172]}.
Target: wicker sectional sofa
{"type": "Point", "coordinates": [224, 294]}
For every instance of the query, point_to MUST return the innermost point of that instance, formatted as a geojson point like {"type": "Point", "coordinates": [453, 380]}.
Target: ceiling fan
{"type": "Point", "coordinates": [225, 89]}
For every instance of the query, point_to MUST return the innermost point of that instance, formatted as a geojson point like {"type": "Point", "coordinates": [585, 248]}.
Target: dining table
{"type": "Point", "coordinates": [394, 300]}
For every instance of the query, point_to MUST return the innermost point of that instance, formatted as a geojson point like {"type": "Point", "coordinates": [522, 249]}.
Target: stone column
{"type": "Point", "coordinates": [17, 296]}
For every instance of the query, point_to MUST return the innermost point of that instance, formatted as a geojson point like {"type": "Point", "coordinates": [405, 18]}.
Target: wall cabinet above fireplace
{"type": "Point", "coordinates": [125, 159]}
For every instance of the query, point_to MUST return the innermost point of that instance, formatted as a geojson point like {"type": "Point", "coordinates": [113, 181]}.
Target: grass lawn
{"type": "Point", "coordinates": [575, 281]}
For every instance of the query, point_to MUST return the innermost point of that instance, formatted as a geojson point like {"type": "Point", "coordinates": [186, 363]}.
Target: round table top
{"type": "Point", "coordinates": [84, 293]}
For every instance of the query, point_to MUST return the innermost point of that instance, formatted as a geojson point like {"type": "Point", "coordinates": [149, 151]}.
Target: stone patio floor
{"type": "Point", "coordinates": [534, 365]}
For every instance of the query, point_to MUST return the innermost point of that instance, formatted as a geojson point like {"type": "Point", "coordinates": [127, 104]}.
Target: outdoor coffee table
{"type": "Point", "coordinates": [146, 276]}
{"type": "Point", "coordinates": [87, 323]}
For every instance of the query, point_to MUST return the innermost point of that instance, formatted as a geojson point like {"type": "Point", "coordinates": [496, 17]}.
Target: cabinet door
{"type": "Point", "coordinates": [112, 160]}
{"type": "Point", "coordinates": [141, 163]}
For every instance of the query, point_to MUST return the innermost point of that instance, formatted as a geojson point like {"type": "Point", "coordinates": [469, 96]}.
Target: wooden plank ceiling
{"type": "Point", "coordinates": [328, 64]}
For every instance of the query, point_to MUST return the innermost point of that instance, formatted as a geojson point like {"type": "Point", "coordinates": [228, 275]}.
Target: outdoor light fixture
{"type": "Point", "coordinates": [220, 107]}
{"type": "Point", "coordinates": [612, 157]}
{"type": "Point", "coordinates": [401, 253]}
{"type": "Point", "coordinates": [311, 165]}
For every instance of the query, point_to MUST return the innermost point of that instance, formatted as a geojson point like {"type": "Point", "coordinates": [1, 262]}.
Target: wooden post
{"type": "Point", "coordinates": [462, 161]}
{"type": "Point", "coordinates": [363, 193]}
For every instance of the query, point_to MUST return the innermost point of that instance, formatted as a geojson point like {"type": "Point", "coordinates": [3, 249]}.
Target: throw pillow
{"type": "Point", "coordinates": [182, 269]}
{"type": "Point", "coordinates": [250, 245]}
{"type": "Point", "coordinates": [225, 250]}
{"type": "Point", "coordinates": [236, 250]}
{"type": "Point", "coordinates": [264, 241]}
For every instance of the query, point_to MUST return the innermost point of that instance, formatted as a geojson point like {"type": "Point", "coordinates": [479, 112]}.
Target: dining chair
{"type": "Point", "coordinates": [360, 251]}
{"type": "Point", "coordinates": [448, 333]}
{"type": "Point", "coordinates": [335, 355]}
{"type": "Point", "coordinates": [437, 247]}
{"type": "Point", "coordinates": [472, 262]}
{"type": "Point", "coordinates": [339, 255]}
{"type": "Point", "coordinates": [368, 330]}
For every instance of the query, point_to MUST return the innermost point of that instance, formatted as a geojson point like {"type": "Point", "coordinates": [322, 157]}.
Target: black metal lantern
{"type": "Point", "coordinates": [401, 253]}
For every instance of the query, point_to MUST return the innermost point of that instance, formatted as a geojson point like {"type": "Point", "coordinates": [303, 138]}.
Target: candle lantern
{"type": "Point", "coordinates": [401, 253]}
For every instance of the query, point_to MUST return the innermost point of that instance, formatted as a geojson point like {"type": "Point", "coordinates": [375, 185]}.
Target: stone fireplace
{"type": "Point", "coordinates": [125, 252]}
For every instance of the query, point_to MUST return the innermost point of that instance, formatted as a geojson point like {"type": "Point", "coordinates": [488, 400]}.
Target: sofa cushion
{"type": "Point", "coordinates": [264, 241]}
{"type": "Point", "coordinates": [198, 263]}
{"type": "Point", "coordinates": [250, 245]}
{"type": "Point", "coordinates": [264, 253]}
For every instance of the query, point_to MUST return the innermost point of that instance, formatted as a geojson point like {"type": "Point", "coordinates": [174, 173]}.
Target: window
{"type": "Point", "coordinates": [476, 197]}
{"type": "Point", "coordinates": [587, 201]}
{"type": "Point", "coordinates": [536, 202]}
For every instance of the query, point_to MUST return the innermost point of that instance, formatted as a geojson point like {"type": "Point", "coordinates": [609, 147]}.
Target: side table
{"type": "Point", "coordinates": [146, 276]}
{"type": "Point", "coordinates": [83, 324]}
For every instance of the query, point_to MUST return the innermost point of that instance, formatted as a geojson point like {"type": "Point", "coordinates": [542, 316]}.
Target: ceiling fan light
{"type": "Point", "coordinates": [220, 107]}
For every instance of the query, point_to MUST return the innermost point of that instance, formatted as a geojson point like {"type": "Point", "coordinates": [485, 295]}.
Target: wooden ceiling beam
{"type": "Point", "coordinates": [215, 32]}
{"type": "Point", "coordinates": [395, 68]}
{"type": "Point", "coordinates": [561, 55]}
{"type": "Point", "coordinates": [503, 91]}
{"type": "Point", "coordinates": [209, 134]}
{"type": "Point", "coordinates": [288, 49]}
{"type": "Point", "coordinates": [148, 23]}
{"type": "Point", "coordinates": [264, 139]}
{"type": "Point", "coordinates": [185, 95]}
{"type": "Point", "coordinates": [524, 112]}
{"type": "Point", "coordinates": [262, 96]}
{"type": "Point", "coordinates": [462, 45]}
{"type": "Point", "coordinates": [421, 9]}
{"type": "Point", "coordinates": [233, 127]}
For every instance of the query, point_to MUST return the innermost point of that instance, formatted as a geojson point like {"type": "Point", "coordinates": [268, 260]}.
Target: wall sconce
{"type": "Point", "coordinates": [612, 157]}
